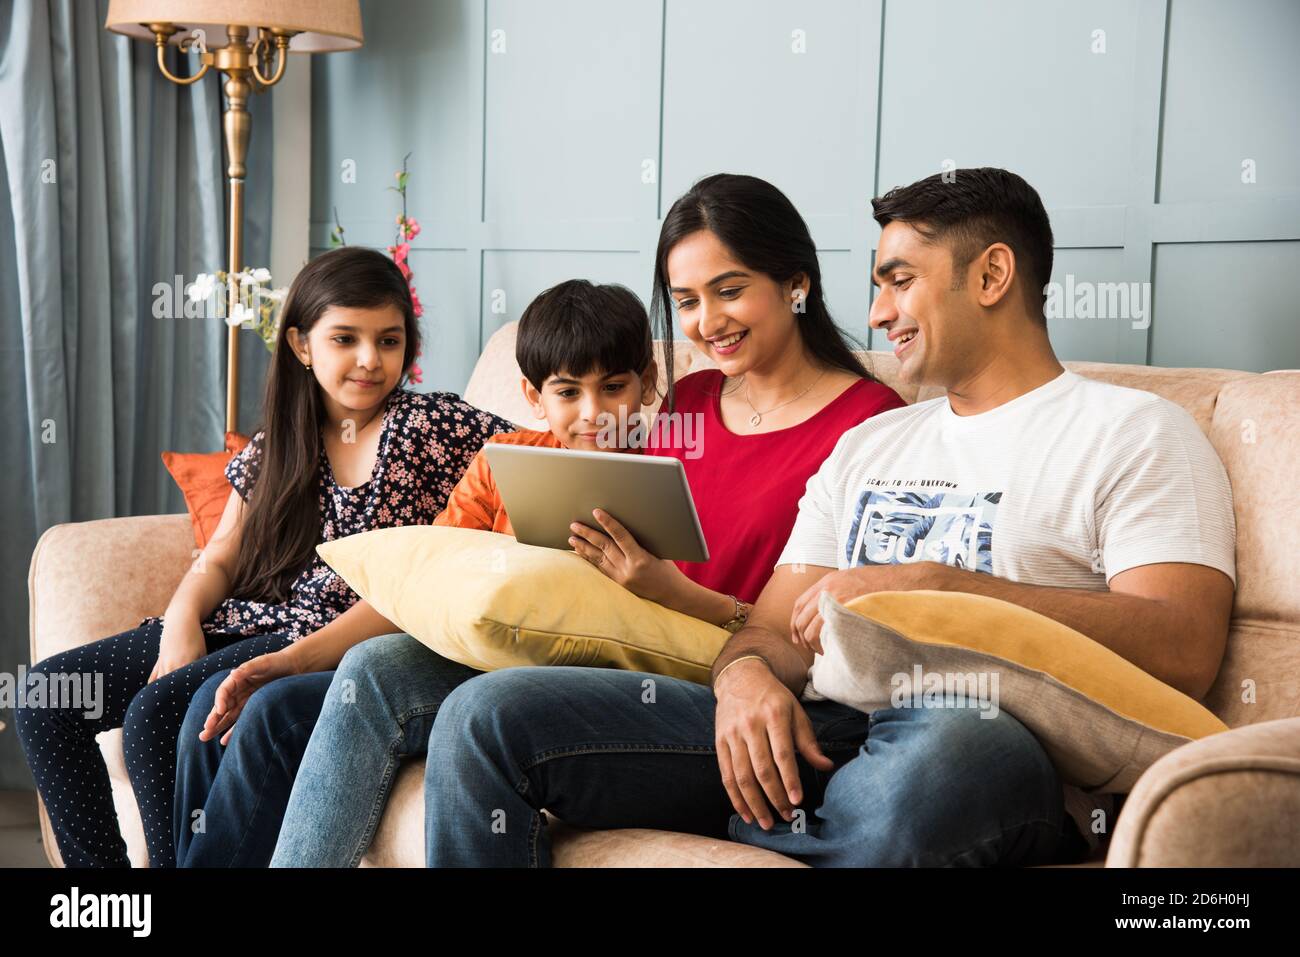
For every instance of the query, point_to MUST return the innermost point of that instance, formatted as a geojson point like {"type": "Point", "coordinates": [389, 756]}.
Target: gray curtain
{"type": "Point", "coordinates": [112, 179]}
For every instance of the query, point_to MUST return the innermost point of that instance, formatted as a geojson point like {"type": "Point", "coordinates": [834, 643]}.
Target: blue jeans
{"type": "Point", "coordinates": [606, 749]}
{"type": "Point", "coordinates": [241, 789]}
{"type": "Point", "coordinates": [379, 709]}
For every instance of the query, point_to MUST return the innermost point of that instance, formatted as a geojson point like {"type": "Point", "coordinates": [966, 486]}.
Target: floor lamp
{"type": "Point", "coordinates": [241, 39]}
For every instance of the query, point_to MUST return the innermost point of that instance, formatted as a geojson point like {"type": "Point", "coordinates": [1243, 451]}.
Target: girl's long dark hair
{"type": "Point", "coordinates": [764, 231]}
{"type": "Point", "coordinates": [281, 525]}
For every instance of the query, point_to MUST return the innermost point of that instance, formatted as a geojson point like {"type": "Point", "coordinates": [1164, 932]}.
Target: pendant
{"type": "Point", "coordinates": [755, 419]}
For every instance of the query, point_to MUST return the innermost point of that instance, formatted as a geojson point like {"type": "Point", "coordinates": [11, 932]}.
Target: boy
{"type": "Point", "coordinates": [585, 352]}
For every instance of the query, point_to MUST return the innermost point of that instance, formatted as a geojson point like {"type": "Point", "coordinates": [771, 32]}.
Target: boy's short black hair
{"type": "Point", "coordinates": [578, 327]}
{"type": "Point", "coordinates": [973, 210]}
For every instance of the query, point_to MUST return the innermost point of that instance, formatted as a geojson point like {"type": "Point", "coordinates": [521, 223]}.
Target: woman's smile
{"type": "Point", "coordinates": [727, 345]}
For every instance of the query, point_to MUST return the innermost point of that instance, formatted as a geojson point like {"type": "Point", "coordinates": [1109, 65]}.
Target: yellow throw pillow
{"type": "Point", "coordinates": [1101, 719]}
{"type": "Point", "coordinates": [485, 600]}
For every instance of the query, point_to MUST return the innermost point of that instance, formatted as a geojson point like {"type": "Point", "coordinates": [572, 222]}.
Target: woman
{"type": "Point", "coordinates": [738, 262]}
{"type": "Point", "coordinates": [340, 441]}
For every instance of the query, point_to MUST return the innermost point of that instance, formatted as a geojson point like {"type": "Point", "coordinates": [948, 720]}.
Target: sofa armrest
{"type": "Point", "coordinates": [1229, 800]}
{"type": "Point", "coordinates": [90, 580]}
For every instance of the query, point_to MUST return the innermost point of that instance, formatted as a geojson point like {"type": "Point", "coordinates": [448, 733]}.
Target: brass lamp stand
{"type": "Point", "coordinates": [239, 63]}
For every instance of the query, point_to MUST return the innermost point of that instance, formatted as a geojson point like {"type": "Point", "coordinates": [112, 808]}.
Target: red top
{"type": "Point", "coordinates": [747, 487]}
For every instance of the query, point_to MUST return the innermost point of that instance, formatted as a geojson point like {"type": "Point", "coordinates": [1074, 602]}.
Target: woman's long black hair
{"type": "Point", "coordinates": [764, 231]}
{"type": "Point", "coordinates": [281, 525]}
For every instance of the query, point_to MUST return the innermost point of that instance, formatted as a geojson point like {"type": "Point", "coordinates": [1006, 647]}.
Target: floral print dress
{"type": "Point", "coordinates": [426, 442]}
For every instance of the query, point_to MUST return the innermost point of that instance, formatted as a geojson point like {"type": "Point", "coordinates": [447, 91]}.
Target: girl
{"type": "Point", "coordinates": [345, 449]}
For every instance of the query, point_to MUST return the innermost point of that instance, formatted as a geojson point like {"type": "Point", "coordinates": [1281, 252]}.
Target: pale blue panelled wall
{"type": "Point", "coordinates": [550, 136]}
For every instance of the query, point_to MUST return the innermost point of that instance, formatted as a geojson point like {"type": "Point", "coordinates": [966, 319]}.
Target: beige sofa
{"type": "Point", "coordinates": [1233, 799]}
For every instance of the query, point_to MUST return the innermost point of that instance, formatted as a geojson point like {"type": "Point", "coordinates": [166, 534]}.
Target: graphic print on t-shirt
{"type": "Point", "coordinates": [894, 526]}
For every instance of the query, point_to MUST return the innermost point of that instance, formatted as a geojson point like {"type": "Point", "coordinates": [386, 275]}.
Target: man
{"type": "Point", "coordinates": [1101, 507]}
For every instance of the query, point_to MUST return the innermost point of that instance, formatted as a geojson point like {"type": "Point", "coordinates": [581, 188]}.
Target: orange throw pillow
{"type": "Point", "coordinates": [202, 480]}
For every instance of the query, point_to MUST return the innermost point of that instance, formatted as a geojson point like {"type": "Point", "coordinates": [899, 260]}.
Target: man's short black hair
{"type": "Point", "coordinates": [578, 327]}
{"type": "Point", "coordinates": [974, 210]}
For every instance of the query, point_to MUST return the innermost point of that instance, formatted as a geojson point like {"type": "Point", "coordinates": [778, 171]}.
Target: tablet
{"type": "Point", "coordinates": [543, 490]}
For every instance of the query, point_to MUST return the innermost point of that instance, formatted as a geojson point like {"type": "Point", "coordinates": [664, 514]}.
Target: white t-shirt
{"type": "Point", "coordinates": [1067, 485]}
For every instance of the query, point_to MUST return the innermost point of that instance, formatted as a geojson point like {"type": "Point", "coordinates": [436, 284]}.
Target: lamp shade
{"type": "Point", "coordinates": [324, 25]}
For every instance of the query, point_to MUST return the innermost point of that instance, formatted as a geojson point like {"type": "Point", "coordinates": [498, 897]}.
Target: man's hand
{"type": "Point", "coordinates": [759, 728]}
{"type": "Point", "coordinates": [844, 586]}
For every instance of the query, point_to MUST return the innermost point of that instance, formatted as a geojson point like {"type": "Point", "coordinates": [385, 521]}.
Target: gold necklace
{"type": "Point", "coordinates": [757, 417]}
{"type": "Point", "coordinates": [734, 388]}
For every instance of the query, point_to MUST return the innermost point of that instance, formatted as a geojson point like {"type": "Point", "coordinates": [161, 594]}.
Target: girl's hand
{"type": "Point", "coordinates": [235, 691]}
{"type": "Point", "coordinates": [617, 554]}
{"type": "Point", "coordinates": [182, 643]}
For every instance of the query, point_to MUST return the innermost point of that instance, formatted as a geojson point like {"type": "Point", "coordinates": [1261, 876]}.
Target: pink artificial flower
{"type": "Point", "coordinates": [404, 269]}
{"type": "Point", "coordinates": [399, 252]}
{"type": "Point", "coordinates": [416, 375]}
{"type": "Point", "coordinates": [412, 228]}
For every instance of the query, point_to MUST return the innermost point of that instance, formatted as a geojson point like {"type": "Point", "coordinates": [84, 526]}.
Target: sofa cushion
{"type": "Point", "coordinates": [399, 839]}
{"type": "Point", "coordinates": [201, 477]}
{"type": "Point", "coordinates": [1101, 719]}
{"type": "Point", "coordinates": [501, 604]}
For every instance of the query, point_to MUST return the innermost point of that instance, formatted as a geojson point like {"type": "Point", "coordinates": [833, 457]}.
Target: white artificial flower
{"type": "Point", "coordinates": [202, 286]}
{"type": "Point", "coordinates": [261, 275]}
{"type": "Point", "coordinates": [239, 315]}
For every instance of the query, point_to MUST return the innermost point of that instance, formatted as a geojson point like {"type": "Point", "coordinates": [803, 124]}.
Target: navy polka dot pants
{"type": "Point", "coordinates": [58, 737]}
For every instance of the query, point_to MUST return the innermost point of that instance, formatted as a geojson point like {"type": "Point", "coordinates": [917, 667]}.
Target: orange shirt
{"type": "Point", "coordinates": [475, 501]}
